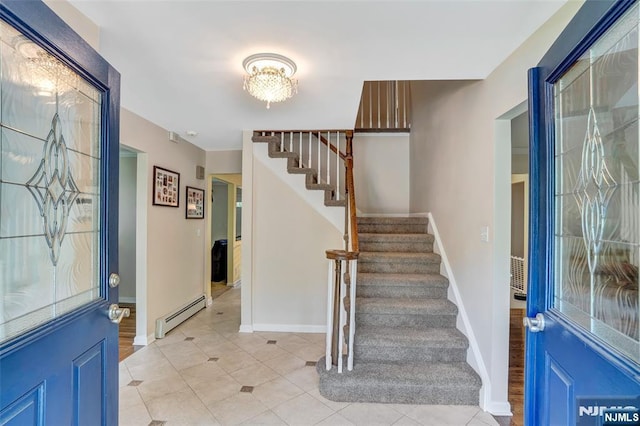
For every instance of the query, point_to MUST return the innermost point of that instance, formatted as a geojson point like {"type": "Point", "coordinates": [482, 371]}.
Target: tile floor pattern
{"type": "Point", "coordinates": [205, 372]}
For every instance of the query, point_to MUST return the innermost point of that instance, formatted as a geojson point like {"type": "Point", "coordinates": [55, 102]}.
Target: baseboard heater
{"type": "Point", "coordinates": [174, 319]}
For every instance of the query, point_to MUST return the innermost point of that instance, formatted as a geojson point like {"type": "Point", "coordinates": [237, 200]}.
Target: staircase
{"type": "Point", "coordinates": [289, 145]}
{"type": "Point", "coordinates": [407, 349]}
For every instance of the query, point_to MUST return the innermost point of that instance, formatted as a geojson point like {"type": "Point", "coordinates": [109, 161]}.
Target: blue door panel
{"type": "Point", "coordinates": [565, 364]}
{"type": "Point", "coordinates": [88, 375]}
{"type": "Point", "coordinates": [78, 386]}
{"type": "Point", "coordinates": [27, 410]}
{"type": "Point", "coordinates": [561, 393]}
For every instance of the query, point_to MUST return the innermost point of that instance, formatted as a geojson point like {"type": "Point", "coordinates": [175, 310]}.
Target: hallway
{"type": "Point", "coordinates": [206, 373]}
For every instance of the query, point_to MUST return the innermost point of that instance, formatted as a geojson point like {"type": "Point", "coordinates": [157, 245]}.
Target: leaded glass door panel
{"type": "Point", "coordinates": [583, 351]}
{"type": "Point", "coordinates": [58, 150]}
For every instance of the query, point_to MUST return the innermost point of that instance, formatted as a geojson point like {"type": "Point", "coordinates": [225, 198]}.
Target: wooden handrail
{"type": "Point", "coordinates": [351, 192]}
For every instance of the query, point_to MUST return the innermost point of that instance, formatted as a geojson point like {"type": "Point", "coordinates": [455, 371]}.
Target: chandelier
{"type": "Point", "coordinates": [269, 77]}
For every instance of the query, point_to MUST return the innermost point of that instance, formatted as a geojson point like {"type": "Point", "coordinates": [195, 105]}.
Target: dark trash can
{"type": "Point", "coordinates": [219, 261]}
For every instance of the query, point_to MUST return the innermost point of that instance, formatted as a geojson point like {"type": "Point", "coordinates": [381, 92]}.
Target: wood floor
{"type": "Point", "coordinates": [516, 366]}
{"type": "Point", "coordinates": [127, 332]}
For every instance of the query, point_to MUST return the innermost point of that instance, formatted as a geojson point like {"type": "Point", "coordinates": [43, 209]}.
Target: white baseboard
{"type": "Point", "coordinates": [237, 284]}
{"type": "Point", "coordinates": [474, 357]}
{"type": "Point", "coordinates": [209, 301]}
{"type": "Point", "coordinates": [122, 299]}
{"type": "Point", "coordinates": [499, 408]}
{"type": "Point", "coordinates": [290, 328]}
{"type": "Point", "coordinates": [144, 340]}
{"type": "Point", "coordinates": [246, 329]}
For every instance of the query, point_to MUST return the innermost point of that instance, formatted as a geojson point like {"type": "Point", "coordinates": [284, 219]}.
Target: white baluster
{"type": "Point", "coordinates": [379, 121]}
{"type": "Point", "coordinates": [291, 141]}
{"type": "Point", "coordinates": [338, 165]}
{"type": "Point", "coordinates": [310, 164]}
{"type": "Point", "coordinates": [352, 312]}
{"type": "Point", "coordinates": [319, 158]}
{"type": "Point", "coordinates": [342, 316]}
{"type": "Point", "coordinates": [328, 359]}
{"type": "Point", "coordinates": [328, 157]}
{"type": "Point", "coordinates": [300, 159]}
{"type": "Point", "coordinates": [281, 141]}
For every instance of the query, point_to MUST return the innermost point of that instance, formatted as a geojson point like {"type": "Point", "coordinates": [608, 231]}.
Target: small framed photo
{"type": "Point", "coordinates": [195, 203]}
{"type": "Point", "coordinates": [166, 187]}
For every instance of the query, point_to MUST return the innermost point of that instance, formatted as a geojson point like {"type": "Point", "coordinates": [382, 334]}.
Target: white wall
{"type": "Point", "coordinates": [520, 144]}
{"type": "Point", "coordinates": [380, 173]}
{"type": "Point", "coordinates": [454, 175]}
{"type": "Point", "coordinates": [224, 162]}
{"type": "Point", "coordinates": [284, 238]}
{"type": "Point", "coordinates": [175, 246]}
{"type": "Point", "coordinates": [127, 229]}
{"type": "Point", "coordinates": [89, 31]}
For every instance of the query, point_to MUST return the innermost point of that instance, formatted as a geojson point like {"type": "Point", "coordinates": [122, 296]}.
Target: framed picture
{"type": "Point", "coordinates": [195, 203]}
{"type": "Point", "coordinates": [166, 187]}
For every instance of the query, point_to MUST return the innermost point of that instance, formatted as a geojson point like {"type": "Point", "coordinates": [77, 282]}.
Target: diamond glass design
{"type": "Point", "coordinates": [594, 189]}
{"type": "Point", "coordinates": [54, 189]}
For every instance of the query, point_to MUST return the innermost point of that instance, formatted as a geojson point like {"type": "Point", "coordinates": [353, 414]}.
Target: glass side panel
{"type": "Point", "coordinates": [49, 186]}
{"type": "Point", "coordinates": [597, 203]}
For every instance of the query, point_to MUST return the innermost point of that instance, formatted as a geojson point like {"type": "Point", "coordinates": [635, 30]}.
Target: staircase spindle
{"type": "Point", "coordinates": [328, 158]}
{"type": "Point", "coordinates": [310, 150]}
{"type": "Point", "coordinates": [338, 165]}
{"type": "Point", "coordinates": [319, 170]}
{"type": "Point", "coordinates": [300, 159]}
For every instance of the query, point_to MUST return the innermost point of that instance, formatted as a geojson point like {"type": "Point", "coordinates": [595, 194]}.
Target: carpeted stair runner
{"type": "Point", "coordinates": [407, 348]}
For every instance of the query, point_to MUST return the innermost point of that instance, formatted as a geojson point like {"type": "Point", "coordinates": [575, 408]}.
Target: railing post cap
{"type": "Point", "coordinates": [342, 255]}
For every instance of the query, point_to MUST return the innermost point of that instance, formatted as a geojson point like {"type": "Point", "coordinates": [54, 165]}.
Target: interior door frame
{"type": "Point", "coordinates": [592, 20]}
{"type": "Point", "coordinates": [41, 25]}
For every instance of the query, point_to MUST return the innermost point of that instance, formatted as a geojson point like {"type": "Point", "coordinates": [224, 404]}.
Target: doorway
{"type": "Point", "coordinates": [518, 262]}
{"type": "Point", "coordinates": [127, 250]}
{"type": "Point", "coordinates": [132, 238]}
{"type": "Point", "coordinates": [226, 238]}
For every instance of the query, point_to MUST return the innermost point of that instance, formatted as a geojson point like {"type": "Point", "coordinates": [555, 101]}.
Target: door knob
{"type": "Point", "coordinates": [534, 324]}
{"type": "Point", "coordinates": [116, 313]}
{"type": "Point", "coordinates": [114, 280]}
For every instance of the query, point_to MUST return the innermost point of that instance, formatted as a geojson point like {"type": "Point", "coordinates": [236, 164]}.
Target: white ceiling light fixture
{"type": "Point", "coordinates": [269, 77]}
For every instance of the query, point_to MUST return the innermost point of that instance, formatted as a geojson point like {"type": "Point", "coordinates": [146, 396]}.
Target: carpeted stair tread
{"type": "Point", "coordinates": [418, 237]}
{"type": "Point", "coordinates": [379, 242]}
{"type": "Point", "coordinates": [380, 279]}
{"type": "Point", "coordinates": [400, 337]}
{"type": "Point", "coordinates": [397, 257]}
{"type": "Point", "coordinates": [420, 383]}
{"type": "Point", "coordinates": [398, 306]}
{"type": "Point", "coordinates": [401, 285]}
{"type": "Point", "coordinates": [319, 186]}
{"type": "Point", "coordinates": [392, 220]}
{"type": "Point", "coordinates": [392, 225]}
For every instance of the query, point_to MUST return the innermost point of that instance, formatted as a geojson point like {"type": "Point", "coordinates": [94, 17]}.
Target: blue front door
{"type": "Point", "coordinates": [59, 103]}
{"type": "Point", "coordinates": [583, 350]}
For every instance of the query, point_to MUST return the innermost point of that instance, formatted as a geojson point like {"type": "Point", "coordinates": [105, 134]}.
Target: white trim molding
{"type": "Point", "coordinates": [474, 357]}
{"type": "Point", "coordinates": [144, 340]}
{"type": "Point", "coordinates": [246, 329]}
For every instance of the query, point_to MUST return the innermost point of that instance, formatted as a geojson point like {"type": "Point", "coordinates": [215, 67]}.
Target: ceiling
{"type": "Point", "coordinates": [181, 60]}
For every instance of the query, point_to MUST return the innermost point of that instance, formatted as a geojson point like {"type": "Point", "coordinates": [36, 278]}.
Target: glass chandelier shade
{"type": "Point", "coordinates": [269, 77]}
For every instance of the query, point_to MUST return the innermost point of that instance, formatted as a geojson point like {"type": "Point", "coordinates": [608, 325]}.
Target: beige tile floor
{"type": "Point", "coordinates": [205, 372]}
